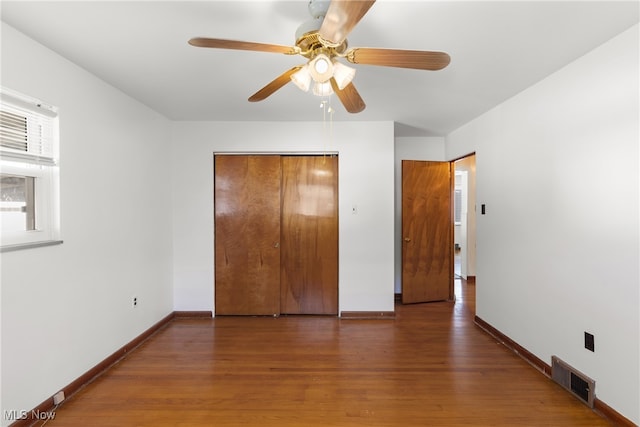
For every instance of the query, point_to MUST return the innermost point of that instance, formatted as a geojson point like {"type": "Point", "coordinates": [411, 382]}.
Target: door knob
{"type": "Point", "coordinates": [276, 245]}
{"type": "Point", "coordinates": [406, 239]}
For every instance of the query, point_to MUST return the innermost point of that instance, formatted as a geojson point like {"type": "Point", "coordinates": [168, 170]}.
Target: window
{"type": "Point", "coordinates": [28, 171]}
{"type": "Point", "coordinates": [457, 204]}
{"type": "Point", "coordinates": [17, 203]}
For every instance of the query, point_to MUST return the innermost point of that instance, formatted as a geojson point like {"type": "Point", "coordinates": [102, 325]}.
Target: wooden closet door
{"type": "Point", "coordinates": [309, 256]}
{"type": "Point", "coordinates": [247, 235]}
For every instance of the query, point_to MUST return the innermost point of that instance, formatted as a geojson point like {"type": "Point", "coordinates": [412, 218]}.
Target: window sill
{"type": "Point", "coordinates": [21, 246]}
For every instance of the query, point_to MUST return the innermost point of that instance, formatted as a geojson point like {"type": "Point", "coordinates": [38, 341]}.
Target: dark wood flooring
{"type": "Point", "coordinates": [431, 366]}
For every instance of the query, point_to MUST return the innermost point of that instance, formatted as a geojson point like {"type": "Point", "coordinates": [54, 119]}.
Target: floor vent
{"type": "Point", "coordinates": [578, 384]}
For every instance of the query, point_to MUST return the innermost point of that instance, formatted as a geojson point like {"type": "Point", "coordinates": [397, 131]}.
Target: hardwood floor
{"type": "Point", "coordinates": [431, 366]}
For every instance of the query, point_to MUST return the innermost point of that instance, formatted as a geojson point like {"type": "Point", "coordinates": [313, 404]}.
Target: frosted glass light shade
{"type": "Point", "coordinates": [322, 89]}
{"type": "Point", "coordinates": [302, 78]}
{"type": "Point", "coordinates": [343, 74]}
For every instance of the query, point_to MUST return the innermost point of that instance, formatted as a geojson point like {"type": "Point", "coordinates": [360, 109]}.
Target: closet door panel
{"type": "Point", "coordinates": [247, 235]}
{"type": "Point", "coordinates": [309, 256]}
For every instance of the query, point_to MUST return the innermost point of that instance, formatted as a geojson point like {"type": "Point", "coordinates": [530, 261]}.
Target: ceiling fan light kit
{"type": "Point", "coordinates": [322, 40]}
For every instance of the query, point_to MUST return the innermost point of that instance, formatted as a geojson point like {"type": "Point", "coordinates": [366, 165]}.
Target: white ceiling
{"type": "Point", "coordinates": [497, 49]}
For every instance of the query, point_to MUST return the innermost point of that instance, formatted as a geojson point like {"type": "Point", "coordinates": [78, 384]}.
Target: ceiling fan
{"type": "Point", "coordinates": [323, 40]}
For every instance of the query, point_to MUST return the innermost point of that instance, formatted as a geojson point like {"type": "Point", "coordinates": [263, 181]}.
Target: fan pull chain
{"type": "Point", "coordinates": [326, 109]}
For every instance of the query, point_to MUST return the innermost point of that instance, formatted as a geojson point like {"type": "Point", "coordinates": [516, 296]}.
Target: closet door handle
{"type": "Point", "coordinates": [406, 239]}
{"type": "Point", "coordinates": [276, 245]}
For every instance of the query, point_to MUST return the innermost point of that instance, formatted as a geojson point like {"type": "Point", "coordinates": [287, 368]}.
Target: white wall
{"type": "Point", "coordinates": [409, 148]}
{"type": "Point", "coordinates": [557, 251]}
{"type": "Point", "coordinates": [365, 158]}
{"type": "Point", "coordinates": [65, 308]}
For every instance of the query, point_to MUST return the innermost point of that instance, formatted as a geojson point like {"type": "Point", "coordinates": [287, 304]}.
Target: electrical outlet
{"type": "Point", "coordinates": [58, 398]}
{"type": "Point", "coordinates": [135, 302]}
{"type": "Point", "coordinates": [589, 343]}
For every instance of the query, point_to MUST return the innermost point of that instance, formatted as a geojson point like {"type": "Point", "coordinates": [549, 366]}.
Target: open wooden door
{"type": "Point", "coordinates": [247, 235]}
{"type": "Point", "coordinates": [427, 231]}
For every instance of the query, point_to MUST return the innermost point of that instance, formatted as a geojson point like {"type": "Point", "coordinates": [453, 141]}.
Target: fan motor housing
{"type": "Point", "coordinates": [310, 45]}
{"type": "Point", "coordinates": [318, 8]}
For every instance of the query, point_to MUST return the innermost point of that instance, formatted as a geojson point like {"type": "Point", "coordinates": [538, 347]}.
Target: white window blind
{"type": "Point", "coordinates": [27, 129]}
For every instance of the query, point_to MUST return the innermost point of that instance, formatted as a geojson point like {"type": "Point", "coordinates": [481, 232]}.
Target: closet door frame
{"type": "Point", "coordinates": [221, 252]}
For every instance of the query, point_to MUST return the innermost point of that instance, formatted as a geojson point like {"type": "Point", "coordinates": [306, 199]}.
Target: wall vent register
{"type": "Point", "coordinates": [574, 381]}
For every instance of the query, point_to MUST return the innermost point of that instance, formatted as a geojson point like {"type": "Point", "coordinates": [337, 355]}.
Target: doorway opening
{"type": "Point", "coordinates": [464, 222]}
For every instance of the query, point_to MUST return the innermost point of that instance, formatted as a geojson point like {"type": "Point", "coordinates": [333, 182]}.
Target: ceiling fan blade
{"type": "Point", "coordinates": [274, 85]}
{"type": "Point", "coordinates": [349, 97]}
{"type": "Point", "coordinates": [418, 59]}
{"type": "Point", "coordinates": [340, 19]}
{"type": "Point", "coordinates": [240, 45]}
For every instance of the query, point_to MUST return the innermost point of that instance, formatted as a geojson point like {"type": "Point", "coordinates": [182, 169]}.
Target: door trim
{"type": "Point", "coordinates": [275, 153]}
